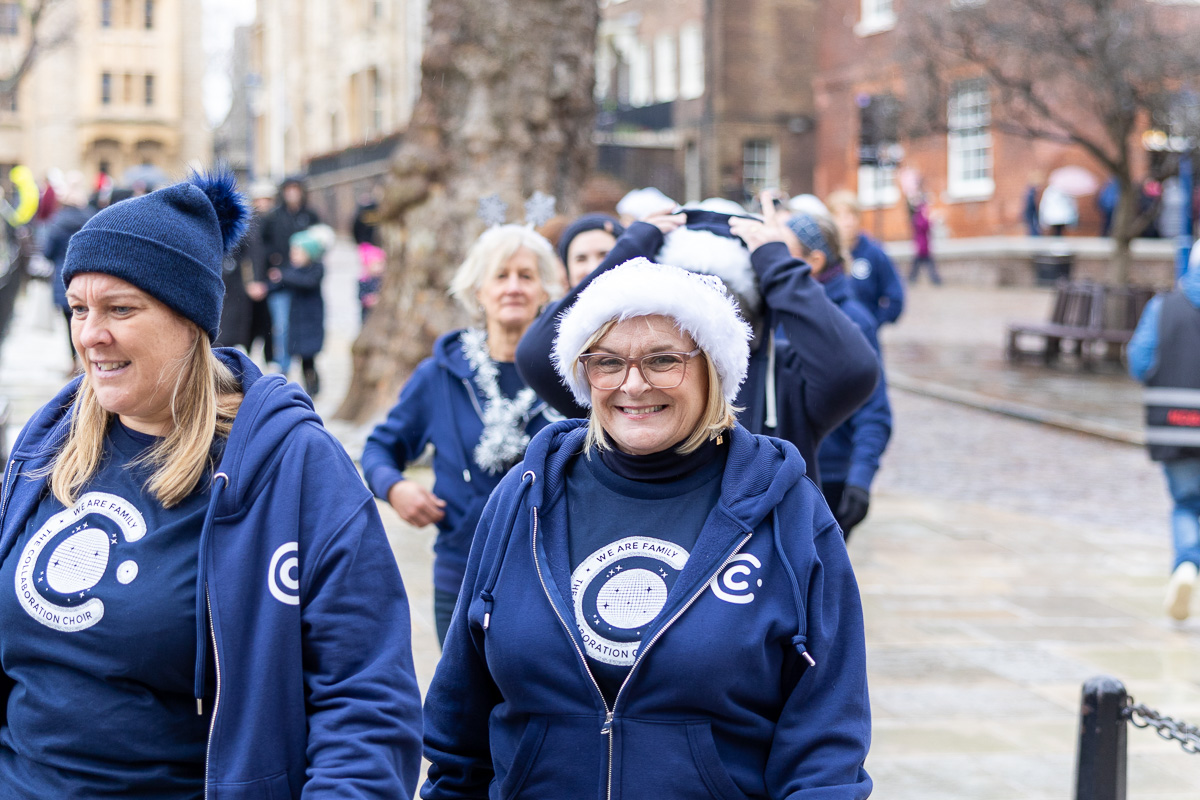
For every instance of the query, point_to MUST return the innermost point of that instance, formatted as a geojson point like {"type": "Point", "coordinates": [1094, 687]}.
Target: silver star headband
{"type": "Point", "coordinates": [539, 209]}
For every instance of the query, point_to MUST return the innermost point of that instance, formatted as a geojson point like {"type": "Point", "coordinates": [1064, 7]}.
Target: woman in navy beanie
{"type": "Point", "coordinates": [200, 596]}
{"type": "Point", "coordinates": [585, 243]}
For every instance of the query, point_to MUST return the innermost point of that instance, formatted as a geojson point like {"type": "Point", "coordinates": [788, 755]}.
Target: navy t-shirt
{"type": "Point", "coordinates": [98, 634]}
{"type": "Point", "coordinates": [628, 541]}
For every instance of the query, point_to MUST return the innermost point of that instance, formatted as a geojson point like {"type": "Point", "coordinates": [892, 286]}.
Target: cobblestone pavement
{"type": "Point", "coordinates": [1002, 564]}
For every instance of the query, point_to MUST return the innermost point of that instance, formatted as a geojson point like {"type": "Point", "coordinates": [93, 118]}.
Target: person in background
{"type": "Point", "coordinates": [290, 216]}
{"type": "Point", "coordinates": [585, 243]}
{"type": "Point", "coordinates": [849, 456]}
{"type": "Point", "coordinates": [302, 276]}
{"type": "Point", "coordinates": [1164, 354]}
{"type": "Point", "coordinates": [371, 257]}
{"type": "Point", "coordinates": [468, 401]}
{"type": "Point", "coordinates": [201, 599]}
{"type": "Point", "coordinates": [253, 252]}
{"type": "Point", "coordinates": [1057, 211]}
{"type": "Point", "coordinates": [658, 603]}
{"type": "Point", "coordinates": [876, 284]}
{"type": "Point", "coordinates": [73, 211]}
{"type": "Point", "coordinates": [922, 251]}
{"type": "Point", "coordinates": [1029, 211]}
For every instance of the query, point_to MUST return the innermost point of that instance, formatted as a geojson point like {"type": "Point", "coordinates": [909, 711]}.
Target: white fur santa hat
{"type": "Point", "coordinates": [699, 304]}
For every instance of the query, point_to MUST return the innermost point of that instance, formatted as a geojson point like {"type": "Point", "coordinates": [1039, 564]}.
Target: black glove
{"type": "Point", "coordinates": [853, 507]}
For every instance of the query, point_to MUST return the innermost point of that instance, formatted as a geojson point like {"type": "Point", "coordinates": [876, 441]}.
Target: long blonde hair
{"type": "Point", "coordinates": [204, 402]}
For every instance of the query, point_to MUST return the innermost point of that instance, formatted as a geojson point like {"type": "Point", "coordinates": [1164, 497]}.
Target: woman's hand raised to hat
{"type": "Point", "coordinates": [772, 228]}
{"type": "Point", "coordinates": [666, 220]}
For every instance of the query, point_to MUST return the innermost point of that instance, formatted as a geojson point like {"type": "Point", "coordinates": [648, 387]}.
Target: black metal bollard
{"type": "Point", "coordinates": [1100, 761]}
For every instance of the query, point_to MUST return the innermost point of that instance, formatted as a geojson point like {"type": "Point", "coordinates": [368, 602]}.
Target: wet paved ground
{"type": "Point", "coordinates": [1003, 562]}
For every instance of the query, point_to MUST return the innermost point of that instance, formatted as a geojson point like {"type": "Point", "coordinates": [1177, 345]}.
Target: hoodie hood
{"type": "Point", "coordinates": [448, 353]}
{"type": "Point", "coordinates": [271, 408]}
{"type": "Point", "coordinates": [760, 470]}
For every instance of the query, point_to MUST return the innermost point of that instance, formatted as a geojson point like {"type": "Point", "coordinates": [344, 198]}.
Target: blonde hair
{"type": "Point", "coordinates": [844, 198]}
{"type": "Point", "coordinates": [719, 414]}
{"type": "Point", "coordinates": [493, 249]}
{"type": "Point", "coordinates": [204, 402]}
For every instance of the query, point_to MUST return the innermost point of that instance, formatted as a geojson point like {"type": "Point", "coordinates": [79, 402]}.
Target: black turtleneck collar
{"type": "Point", "coordinates": [665, 465]}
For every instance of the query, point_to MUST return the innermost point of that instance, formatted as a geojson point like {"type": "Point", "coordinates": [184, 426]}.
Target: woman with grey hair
{"type": "Point", "coordinates": [658, 602]}
{"type": "Point", "coordinates": [468, 402]}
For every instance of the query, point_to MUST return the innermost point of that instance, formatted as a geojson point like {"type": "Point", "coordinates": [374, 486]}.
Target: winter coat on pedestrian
{"type": "Point", "coordinates": [66, 223]}
{"type": "Point", "coordinates": [751, 681]}
{"type": "Point", "coordinates": [306, 327]}
{"type": "Point", "coordinates": [300, 610]}
{"type": "Point", "coordinates": [442, 404]}
{"type": "Point", "coordinates": [796, 392]}
{"type": "Point", "coordinates": [1143, 346]}
{"type": "Point", "coordinates": [279, 225]}
{"type": "Point", "coordinates": [876, 283]}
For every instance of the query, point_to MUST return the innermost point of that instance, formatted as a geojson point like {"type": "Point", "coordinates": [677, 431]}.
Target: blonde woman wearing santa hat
{"type": "Point", "coordinates": [658, 602]}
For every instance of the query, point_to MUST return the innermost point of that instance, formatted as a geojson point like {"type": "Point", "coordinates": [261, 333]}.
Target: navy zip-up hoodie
{"type": "Point", "coordinates": [300, 606]}
{"type": "Point", "coordinates": [441, 405]}
{"type": "Point", "coordinates": [851, 454]}
{"type": "Point", "coordinates": [722, 701]}
{"type": "Point", "coordinates": [819, 381]}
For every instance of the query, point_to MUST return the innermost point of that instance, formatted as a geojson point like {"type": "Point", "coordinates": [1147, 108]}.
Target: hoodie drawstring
{"type": "Point", "coordinates": [801, 638]}
{"type": "Point", "coordinates": [219, 480]}
{"type": "Point", "coordinates": [527, 480]}
{"type": "Point", "coordinates": [772, 416]}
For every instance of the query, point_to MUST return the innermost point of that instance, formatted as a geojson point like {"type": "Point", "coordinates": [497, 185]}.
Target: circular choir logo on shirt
{"type": "Point", "coordinates": [619, 590]}
{"type": "Point", "coordinates": [861, 269]}
{"type": "Point", "coordinates": [68, 556]}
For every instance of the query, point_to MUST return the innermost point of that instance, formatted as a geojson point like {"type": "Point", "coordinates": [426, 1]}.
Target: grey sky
{"type": "Point", "coordinates": [220, 18]}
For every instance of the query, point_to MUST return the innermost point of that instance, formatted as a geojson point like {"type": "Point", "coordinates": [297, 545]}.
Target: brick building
{"type": "Point", "coordinates": [707, 97]}
{"type": "Point", "coordinates": [976, 177]}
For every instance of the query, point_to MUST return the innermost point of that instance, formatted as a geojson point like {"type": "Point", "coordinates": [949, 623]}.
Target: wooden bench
{"type": "Point", "coordinates": [1086, 317]}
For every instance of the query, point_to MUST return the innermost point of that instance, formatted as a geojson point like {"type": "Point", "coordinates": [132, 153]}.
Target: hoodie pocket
{"type": "Point", "coordinates": [524, 756]}
{"type": "Point", "coordinates": [685, 751]}
{"type": "Point", "coordinates": [275, 787]}
{"type": "Point", "coordinates": [550, 757]}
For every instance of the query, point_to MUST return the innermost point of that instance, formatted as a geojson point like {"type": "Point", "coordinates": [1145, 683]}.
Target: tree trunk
{"type": "Point", "coordinates": [1124, 228]}
{"type": "Point", "coordinates": [506, 108]}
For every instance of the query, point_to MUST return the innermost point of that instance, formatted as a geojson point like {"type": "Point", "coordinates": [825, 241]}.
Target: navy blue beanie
{"type": "Point", "coordinates": [588, 222]}
{"type": "Point", "coordinates": [169, 243]}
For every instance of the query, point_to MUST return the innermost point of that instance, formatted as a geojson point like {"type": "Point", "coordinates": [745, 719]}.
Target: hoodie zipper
{"type": "Point", "coordinates": [9, 473]}
{"type": "Point", "coordinates": [212, 723]}
{"type": "Point", "coordinates": [607, 728]}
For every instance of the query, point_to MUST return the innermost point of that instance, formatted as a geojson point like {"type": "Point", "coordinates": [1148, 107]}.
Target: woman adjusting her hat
{"type": "Point", "coordinates": [658, 602]}
{"type": "Point", "coordinates": [196, 593]}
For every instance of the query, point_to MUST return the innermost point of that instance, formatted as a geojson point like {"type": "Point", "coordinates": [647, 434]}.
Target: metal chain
{"type": "Point", "coordinates": [1167, 728]}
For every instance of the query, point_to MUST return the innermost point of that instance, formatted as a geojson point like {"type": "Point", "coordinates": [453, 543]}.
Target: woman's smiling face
{"type": "Point", "coordinates": [640, 418]}
{"type": "Point", "coordinates": [133, 348]}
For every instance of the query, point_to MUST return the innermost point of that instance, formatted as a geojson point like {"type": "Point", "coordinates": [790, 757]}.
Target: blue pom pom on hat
{"type": "Point", "coordinates": [169, 243]}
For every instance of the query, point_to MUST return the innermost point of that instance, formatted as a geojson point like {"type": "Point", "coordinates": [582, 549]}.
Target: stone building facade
{"type": "Point", "coordinates": [122, 89]}
{"type": "Point", "coordinates": [332, 76]}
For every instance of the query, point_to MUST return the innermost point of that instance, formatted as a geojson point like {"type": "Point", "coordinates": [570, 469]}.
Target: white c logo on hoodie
{"type": "Point", "coordinates": [728, 581]}
{"type": "Point", "coordinates": [283, 578]}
